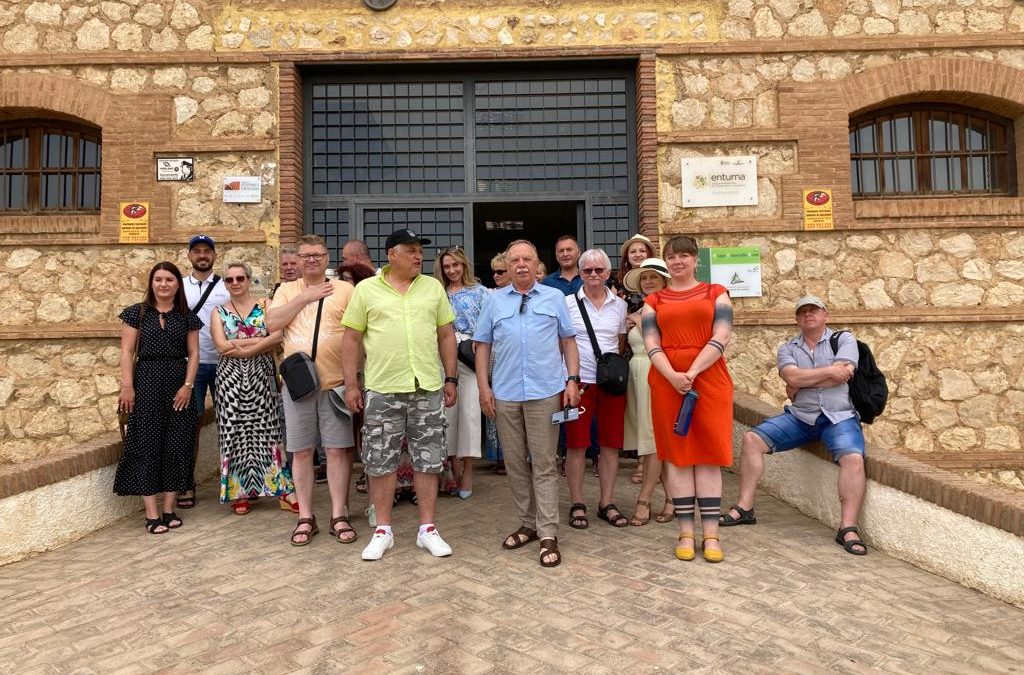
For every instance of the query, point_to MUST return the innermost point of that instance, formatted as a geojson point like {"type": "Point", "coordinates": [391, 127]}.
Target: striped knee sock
{"type": "Point", "coordinates": [710, 508]}
{"type": "Point", "coordinates": [684, 510]}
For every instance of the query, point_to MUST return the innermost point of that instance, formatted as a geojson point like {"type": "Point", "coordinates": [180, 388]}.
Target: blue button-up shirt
{"type": "Point", "coordinates": [833, 402]}
{"type": "Point", "coordinates": [568, 287]}
{"type": "Point", "coordinates": [527, 354]}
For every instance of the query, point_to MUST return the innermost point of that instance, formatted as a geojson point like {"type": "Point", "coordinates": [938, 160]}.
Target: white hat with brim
{"type": "Point", "coordinates": [810, 300]}
{"type": "Point", "coordinates": [634, 239]}
{"type": "Point", "coordinates": [632, 279]}
{"type": "Point", "coordinates": [337, 398]}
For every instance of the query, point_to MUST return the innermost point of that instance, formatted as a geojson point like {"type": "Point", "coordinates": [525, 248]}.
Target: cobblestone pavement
{"type": "Point", "coordinates": [227, 594]}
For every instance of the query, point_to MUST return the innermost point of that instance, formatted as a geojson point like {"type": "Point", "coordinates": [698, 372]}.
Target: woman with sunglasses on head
{"type": "Point", "coordinates": [499, 268]}
{"type": "Point", "coordinates": [686, 328]}
{"type": "Point", "coordinates": [159, 361]}
{"type": "Point", "coordinates": [454, 270]}
{"type": "Point", "coordinates": [248, 404]}
{"type": "Point", "coordinates": [649, 277]}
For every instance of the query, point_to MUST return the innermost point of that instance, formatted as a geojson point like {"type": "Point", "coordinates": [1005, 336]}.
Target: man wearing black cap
{"type": "Point", "coordinates": [816, 382]}
{"type": "Point", "coordinates": [404, 324]}
{"type": "Point", "coordinates": [204, 290]}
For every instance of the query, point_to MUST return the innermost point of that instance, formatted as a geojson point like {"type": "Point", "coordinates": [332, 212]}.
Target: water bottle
{"type": "Point", "coordinates": [682, 426]}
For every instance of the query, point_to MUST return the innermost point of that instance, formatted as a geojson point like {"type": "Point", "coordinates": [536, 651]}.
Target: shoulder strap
{"type": "Point", "coordinates": [833, 340]}
{"type": "Point", "coordinates": [206, 294]}
{"type": "Point", "coordinates": [316, 328]}
{"type": "Point", "coordinates": [590, 327]}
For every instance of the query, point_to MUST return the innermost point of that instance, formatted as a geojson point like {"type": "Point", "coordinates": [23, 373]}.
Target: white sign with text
{"type": "Point", "coordinates": [719, 181]}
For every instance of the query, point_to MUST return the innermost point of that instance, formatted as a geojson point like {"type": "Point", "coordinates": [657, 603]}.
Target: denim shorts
{"type": "Point", "coordinates": [205, 377]}
{"type": "Point", "coordinates": [785, 432]}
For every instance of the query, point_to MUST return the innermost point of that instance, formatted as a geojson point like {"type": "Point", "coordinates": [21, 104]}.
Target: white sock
{"type": "Point", "coordinates": [426, 526]}
{"type": "Point", "coordinates": [386, 528]}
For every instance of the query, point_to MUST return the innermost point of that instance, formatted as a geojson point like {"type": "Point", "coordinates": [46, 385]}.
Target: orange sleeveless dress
{"type": "Point", "coordinates": [684, 319]}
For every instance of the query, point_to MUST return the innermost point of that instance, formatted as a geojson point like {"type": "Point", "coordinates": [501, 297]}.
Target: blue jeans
{"type": "Point", "coordinates": [205, 377]}
{"type": "Point", "coordinates": [785, 432]}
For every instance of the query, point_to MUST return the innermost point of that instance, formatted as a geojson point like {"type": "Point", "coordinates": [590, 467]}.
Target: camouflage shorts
{"type": "Point", "coordinates": [388, 418]}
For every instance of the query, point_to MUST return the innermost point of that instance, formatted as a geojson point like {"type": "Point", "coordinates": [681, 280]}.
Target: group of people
{"type": "Point", "coordinates": [432, 368]}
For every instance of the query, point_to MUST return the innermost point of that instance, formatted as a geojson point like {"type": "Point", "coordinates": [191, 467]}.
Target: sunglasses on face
{"type": "Point", "coordinates": [500, 271]}
{"type": "Point", "coordinates": [522, 303]}
{"type": "Point", "coordinates": [593, 270]}
{"type": "Point", "coordinates": [234, 280]}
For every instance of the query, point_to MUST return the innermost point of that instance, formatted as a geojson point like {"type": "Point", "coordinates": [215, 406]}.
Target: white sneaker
{"type": "Point", "coordinates": [380, 542]}
{"type": "Point", "coordinates": [432, 541]}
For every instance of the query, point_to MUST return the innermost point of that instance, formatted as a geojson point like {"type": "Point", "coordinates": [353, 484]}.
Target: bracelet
{"type": "Point", "coordinates": [717, 345]}
{"type": "Point", "coordinates": [187, 384]}
{"type": "Point", "coordinates": [656, 350]}
{"type": "Point", "coordinates": [452, 380]}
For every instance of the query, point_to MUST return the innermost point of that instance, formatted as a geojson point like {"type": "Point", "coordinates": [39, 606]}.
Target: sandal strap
{"type": "Point", "coordinates": [339, 519]}
{"type": "Point", "coordinates": [641, 502]}
{"type": "Point", "coordinates": [710, 537]}
{"type": "Point", "coordinates": [686, 535]}
{"type": "Point", "coordinates": [846, 530]}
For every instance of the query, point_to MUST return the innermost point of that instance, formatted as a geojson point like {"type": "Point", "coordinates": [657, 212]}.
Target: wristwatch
{"type": "Point", "coordinates": [573, 378]}
{"type": "Point", "coordinates": [452, 380]}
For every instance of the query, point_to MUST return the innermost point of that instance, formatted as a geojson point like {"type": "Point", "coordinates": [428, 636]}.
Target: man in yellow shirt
{"type": "Point", "coordinates": [404, 324]}
{"type": "Point", "coordinates": [294, 310]}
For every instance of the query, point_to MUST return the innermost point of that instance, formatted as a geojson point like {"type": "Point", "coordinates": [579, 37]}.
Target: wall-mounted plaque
{"type": "Point", "coordinates": [242, 189]}
{"type": "Point", "coordinates": [175, 168]}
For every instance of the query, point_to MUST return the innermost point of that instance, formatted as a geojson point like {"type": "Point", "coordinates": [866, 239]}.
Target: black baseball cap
{"type": "Point", "coordinates": [404, 237]}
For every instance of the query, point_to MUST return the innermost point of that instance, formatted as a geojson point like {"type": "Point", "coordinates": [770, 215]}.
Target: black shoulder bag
{"type": "Point", "coordinates": [205, 295]}
{"type": "Point", "coordinates": [612, 368]}
{"type": "Point", "coordinates": [299, 370]}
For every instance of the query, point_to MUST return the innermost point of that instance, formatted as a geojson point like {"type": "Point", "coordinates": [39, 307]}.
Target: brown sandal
{"type": "Point", "coordinates": [308, 534]}
{"type": "Point", "coordinates": [667, 515]}
{"type": "Point", "coordinates": [518, 540]}
{"type": "Point", "coordinates": [550, 548]}
{"type": "Point", "coordinates": [637, 521]}
{"type": "Point", "coordinates": [336, 533]}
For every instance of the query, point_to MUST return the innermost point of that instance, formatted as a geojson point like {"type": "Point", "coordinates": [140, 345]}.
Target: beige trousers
{"type": "Point", "coordinates": [530, 443]}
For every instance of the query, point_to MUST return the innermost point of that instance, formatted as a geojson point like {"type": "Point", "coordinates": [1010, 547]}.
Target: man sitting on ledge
{"type": "Point", "coordinates": [816, 383]}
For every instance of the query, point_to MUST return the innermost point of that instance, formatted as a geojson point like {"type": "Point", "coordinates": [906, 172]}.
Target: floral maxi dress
{"type": "Point", "coordinates": [249, 417]}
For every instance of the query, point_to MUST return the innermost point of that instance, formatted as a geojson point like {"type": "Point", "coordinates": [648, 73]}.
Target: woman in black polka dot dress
{"type": "Point", "coordinates": [157, 391]}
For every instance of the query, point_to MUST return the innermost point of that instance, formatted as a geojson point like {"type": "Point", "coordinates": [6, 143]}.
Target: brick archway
{"type": "Point", "coordinates": [64, 95]}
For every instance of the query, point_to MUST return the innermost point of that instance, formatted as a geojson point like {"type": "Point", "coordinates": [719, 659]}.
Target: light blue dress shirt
{"type": "Point", "coordinates": [527, 356]}
{"type": "Point", "coordinates": [833, 402]}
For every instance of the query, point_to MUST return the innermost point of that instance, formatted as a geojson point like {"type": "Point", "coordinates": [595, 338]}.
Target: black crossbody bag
{"type": "Point", "coordinates": [299, 370]}
{"type": "Point", "coordinates": [612, 368]}
{"type": "Point", "coordinates": [205, 295]}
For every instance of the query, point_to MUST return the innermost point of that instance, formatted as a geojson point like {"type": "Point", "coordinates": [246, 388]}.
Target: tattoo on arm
{"type": "Point", "coordinates": [649, 326]}
{"type": "Point", "coordinates": [723, 313]}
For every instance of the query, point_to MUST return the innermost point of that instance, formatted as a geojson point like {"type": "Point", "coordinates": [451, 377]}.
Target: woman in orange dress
{"type": "Point", "coordinates": [686, 328]}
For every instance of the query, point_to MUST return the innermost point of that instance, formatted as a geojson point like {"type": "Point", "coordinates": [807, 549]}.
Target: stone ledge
{"type": "Point", "coordinates": [990, 504]}
{"type": "Point", "coordinates": [100, 452]}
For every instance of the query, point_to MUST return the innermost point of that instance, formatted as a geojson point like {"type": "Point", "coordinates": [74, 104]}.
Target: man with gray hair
{"type": "Point", "coordinates": [528, 328]}
{"type": "Point", "coordinates": [595, 304]}
{"type": "Point", "coordinates": [816, 380]}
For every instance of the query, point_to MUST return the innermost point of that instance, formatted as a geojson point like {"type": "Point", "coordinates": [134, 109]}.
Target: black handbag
{"type": "Point", "coordinates": [299, 370]}
{"type": "Point", "coordinates": [466, 355]}
{"type": "Point", "coordinates": [612, 368]}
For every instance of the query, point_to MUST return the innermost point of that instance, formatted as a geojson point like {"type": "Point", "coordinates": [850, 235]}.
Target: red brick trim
{"type": "Point", "coordinates": [647, 146]}
{"type": "Point", "coordinates": [990, 504]}
{"type": "Point", "coordinates": [64, 95]}
{"type": "Point", "coordinates": [291, 135]}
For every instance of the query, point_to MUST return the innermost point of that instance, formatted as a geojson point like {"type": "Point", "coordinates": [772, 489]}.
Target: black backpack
{"type": "Point", "coordinates": [868, 390]}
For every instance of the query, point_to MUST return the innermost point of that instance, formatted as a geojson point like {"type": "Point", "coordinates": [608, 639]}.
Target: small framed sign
{"type": "Point", "coordinates": [242, 189]}
{"type": "Point", "coordinates": [181, 169]}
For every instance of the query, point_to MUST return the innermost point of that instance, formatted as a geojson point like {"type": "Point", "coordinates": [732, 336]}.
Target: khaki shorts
{"type": "Point", "coordinates": [388, 418]}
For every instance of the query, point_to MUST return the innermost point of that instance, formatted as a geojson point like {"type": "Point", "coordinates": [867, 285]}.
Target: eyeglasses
{"type": "Point", "coordinates": [234, 280]}
{"type": "Point", "coordinates": [500, 271]}
{"type": "Point", "coordinates": [312, 256]}
{"type": "Point", "coordinates": [522, 303]}
{"type": "Point", "coordinates": [593, 270]}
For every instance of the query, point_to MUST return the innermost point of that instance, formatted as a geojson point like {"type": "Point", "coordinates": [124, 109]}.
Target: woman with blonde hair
{"type": "Point", "coordinates": [455, 272]}
{"type": "Point", "coordinates": [248, 405]}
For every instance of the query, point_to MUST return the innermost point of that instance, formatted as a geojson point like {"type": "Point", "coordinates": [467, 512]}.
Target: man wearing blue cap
{"type": "Point", "coordinates": [204, 290]}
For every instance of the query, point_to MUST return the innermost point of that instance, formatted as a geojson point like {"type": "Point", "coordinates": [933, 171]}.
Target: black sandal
{"type": "Point", "coordinates": [308, 534]}
{"type": "Point", "coordinates": [518, 538]}
{"type": "Point", "coordinates": [549, 546]}
{"type": "Point", "coordinates": [184, 502]}
{"type": "Point", "coordinates": [578, 522]}
{"type": "Point", "coordinates": [615, 521]}
{"type": "Point", "coordinates": [746, 517]}
{"type": "Point", "coordinates": [153, 523]}
{"type": "Point", "coordinates": [340, 531]}
{"type": "Point", "coordinates": [849, 544]}
{"type": "Point", "coordinates": [172, 520]}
